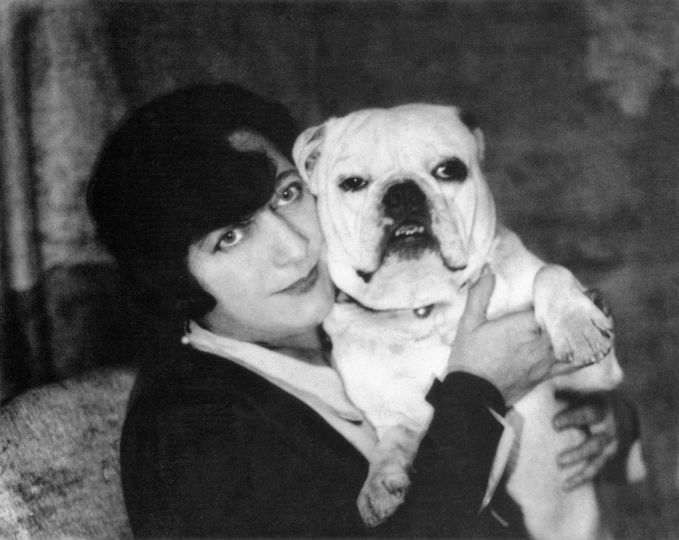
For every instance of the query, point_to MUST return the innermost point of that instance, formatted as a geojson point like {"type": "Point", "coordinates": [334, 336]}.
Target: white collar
{"type": "Point", "coordinates": [320, 387]}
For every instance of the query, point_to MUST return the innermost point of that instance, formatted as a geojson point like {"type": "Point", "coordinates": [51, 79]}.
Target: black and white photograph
{"type": "Point", "coordinates": [339, 269]}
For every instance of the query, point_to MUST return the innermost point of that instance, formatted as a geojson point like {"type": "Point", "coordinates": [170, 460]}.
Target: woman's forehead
{"type": "Point", "coordinates": [248, 140]}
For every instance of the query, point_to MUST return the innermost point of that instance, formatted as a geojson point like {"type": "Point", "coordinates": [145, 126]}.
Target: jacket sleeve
{"type": "Point", "coordinates": [198, 471]}
{"type": "Point", "coordinates": [451, 469]}
{"type": "Point", "coordinates": [182, 481]}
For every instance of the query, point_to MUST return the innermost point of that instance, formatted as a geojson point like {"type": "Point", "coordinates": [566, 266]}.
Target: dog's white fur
{"type": "Point", "coordinates": [394, 339]}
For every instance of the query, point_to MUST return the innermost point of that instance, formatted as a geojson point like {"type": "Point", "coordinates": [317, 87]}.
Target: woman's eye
{"type": "Point", "coordinates": [229, 239]}
{"type": "Point", "coordinates": [353, 183]}
{"type": "Point", "coordinates": [290, 193]}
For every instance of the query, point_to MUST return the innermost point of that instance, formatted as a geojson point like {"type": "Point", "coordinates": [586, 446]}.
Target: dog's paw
{"type": "Point", "coordinates": [581, 335]}
{"type": "Point", "coordinates": [383, 492]}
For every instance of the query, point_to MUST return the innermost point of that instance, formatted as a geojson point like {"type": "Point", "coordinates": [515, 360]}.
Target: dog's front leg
{"type": "Point", "coordinates": [388, 476]}
{"type": "Point", "coordinates": [580, 332]}
{"type": "Point", "coordinates": [387, 362]}
{"type": "Point", "coordinates": [398, 412]}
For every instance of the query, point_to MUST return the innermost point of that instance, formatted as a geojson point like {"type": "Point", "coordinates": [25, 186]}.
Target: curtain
{"type": "Point", "coordinates": [59, 98]}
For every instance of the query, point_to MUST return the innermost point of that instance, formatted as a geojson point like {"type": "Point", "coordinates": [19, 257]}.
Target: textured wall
{"type": "Point", "coordinates": [634, 50]}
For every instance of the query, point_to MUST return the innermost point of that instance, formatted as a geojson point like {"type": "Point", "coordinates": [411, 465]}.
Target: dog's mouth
{"type": "Point", "coordinates": [406, 240]}
{"type": "Point", "coordinates": [409, 239]}
{"type": "Point", "coordinates": [407, 231]}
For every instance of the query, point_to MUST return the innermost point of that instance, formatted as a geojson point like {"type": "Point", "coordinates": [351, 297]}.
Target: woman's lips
{"type": "Point", "coordinates": [304, 284]}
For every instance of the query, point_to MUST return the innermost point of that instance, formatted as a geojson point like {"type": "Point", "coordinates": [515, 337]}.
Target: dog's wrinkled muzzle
{"type": "Point", "coordinates": [413, 220]}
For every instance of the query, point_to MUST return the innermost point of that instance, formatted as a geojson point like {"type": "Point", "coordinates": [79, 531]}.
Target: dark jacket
{"type": "Point", "coordinates": [212, 449]}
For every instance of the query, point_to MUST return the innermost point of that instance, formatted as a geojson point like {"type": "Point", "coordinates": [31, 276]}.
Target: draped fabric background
{"type": "Point", "coordinates": [578, 101]}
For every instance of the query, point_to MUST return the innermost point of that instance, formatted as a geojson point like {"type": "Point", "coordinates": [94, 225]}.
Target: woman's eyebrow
{"type": "Point", "coordinates": [283, 175]}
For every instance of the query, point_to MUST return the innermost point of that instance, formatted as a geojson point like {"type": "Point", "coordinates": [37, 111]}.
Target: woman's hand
{"type": "Point", "coordinates": [611, 427]}
{"type": "Point", "coordinates": [511, 352]}
{"type": "Point", "coordinates": [593, 415]}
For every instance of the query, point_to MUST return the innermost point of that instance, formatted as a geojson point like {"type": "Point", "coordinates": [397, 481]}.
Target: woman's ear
{"type": "Point", "coordinates": [306, 151]}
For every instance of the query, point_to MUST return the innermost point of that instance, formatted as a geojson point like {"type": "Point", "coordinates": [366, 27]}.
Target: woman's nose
{"type": "Point", "coordinates": [288, 243]}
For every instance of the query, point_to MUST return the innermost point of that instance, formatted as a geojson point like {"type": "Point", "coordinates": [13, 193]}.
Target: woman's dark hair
{"type": "Point", "coordinates": [168, 176]}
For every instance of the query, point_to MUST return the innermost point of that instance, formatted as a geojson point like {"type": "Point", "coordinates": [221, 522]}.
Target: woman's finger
{"type": "Point", "coordinates": [579, 416]}
{"type": "Point", "coordinates": [593, 446]}
{"type": "Point", "coordinates": [591, 469]}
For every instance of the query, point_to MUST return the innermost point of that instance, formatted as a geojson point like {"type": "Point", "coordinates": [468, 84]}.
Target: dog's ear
{"type": "Point", "coordinates": [469, 120]}
{"type": "Point", "coordinates": [307, 150]}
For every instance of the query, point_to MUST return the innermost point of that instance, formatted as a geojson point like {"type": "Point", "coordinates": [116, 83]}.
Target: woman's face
{"type": "Point", "coordinates": [267, 275]}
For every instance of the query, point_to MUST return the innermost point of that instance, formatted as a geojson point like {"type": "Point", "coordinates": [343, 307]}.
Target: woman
{"type": "Point", "coordinates": [237, 426]}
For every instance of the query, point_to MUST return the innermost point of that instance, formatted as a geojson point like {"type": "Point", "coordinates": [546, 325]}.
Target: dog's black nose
{"type": "Point", "coordinates": [403, 199]}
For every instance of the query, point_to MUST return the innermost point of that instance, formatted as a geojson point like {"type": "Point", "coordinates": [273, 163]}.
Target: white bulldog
{"type": "Point", "coordinates": [410, 222]}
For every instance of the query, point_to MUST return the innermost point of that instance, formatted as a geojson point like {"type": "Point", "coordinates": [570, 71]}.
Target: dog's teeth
{"type": "Point", "coordinates": [409, 230]}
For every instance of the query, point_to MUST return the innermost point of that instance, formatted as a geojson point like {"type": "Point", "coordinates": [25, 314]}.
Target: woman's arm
{"type": "Point", "coordinates": [451, 470]}
{"type": "Point", "coordinates": [456, 455]}
{"type": "Point", "coordinates": [511, 352]}
{"type": "Point", "coordinates": [492, 365]}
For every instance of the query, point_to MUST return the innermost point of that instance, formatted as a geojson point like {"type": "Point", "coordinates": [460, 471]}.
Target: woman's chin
{"type": "Point", "coordinates": [314, 310]}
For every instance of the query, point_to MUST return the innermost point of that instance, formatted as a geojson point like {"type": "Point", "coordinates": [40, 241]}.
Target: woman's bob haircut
{"type": "Point", "coordinates": [167, 176]}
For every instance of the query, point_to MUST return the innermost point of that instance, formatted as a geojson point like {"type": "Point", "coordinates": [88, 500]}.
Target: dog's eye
{"type": "Point", "coordinates": [451, 169]}
{"type": "Point", "coordinates": [353, 183]}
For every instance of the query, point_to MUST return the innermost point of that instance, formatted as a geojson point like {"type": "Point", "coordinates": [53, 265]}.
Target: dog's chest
{"type": "Point", "coordinates": [398, 343]}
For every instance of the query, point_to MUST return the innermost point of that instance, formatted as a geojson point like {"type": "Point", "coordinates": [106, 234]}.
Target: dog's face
{"type": "Point", "coordinates": [403, 204]}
